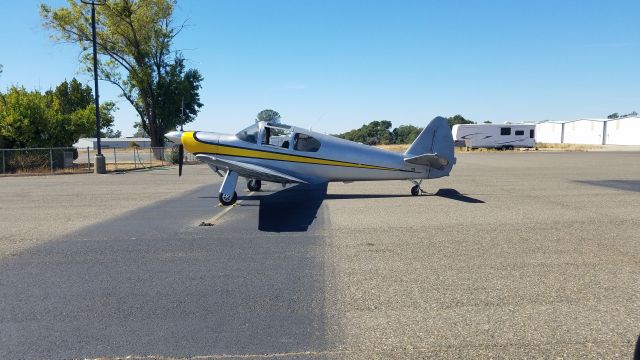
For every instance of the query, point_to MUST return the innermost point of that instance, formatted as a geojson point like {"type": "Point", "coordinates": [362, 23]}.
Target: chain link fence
{"type": "Point", "coordinates": [72, 160]}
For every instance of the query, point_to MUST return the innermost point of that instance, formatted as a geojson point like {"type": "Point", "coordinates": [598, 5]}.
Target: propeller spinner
{"type": "Point", "coordinates": [176, 137]}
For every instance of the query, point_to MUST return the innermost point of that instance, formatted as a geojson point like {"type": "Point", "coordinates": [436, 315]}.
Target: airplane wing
{"type": "Point", "coordinates": [431, 160]}
{"type": "Point", "coordinates": [249, 170]}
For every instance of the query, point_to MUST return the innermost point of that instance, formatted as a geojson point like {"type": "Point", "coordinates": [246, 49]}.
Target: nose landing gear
{"type": "Point", "coordinates": [228, 195]}
{"type": "Point", "coordinates": [226, 199]}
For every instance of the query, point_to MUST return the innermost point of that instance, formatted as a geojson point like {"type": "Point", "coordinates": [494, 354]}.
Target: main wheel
{"type": "Point", "coordinates": [415, 190]}
{"type": "Point", "coordinates": [254, 185]}
{"type": "Point", "coordinates": [227, 200]}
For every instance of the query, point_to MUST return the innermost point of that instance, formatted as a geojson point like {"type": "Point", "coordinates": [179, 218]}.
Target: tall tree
{"type": "Point", "coordinates": [134, 39]}
{"type": "Point", "coordinates": [268, 115]}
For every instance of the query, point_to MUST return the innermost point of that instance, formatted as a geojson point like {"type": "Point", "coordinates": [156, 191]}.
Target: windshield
{"type": "Point", "coordinates": [249, 134]}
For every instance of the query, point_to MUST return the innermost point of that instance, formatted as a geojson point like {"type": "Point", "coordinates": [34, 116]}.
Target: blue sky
{"type": "Point", "coordinates": [334, 65]}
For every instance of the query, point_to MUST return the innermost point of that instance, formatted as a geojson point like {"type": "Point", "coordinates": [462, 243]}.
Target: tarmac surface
{"type": "Point", "coordinates": [517, 254]}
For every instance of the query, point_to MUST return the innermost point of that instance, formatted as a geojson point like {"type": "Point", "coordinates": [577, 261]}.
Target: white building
{"type": "Point", "coordinates": [550, 132]}
{"type": "Point", "coordinates": [108, 143]}
{"type": "Point", "coordinates": [584, 131]}
{"type": "Point", "coordinates": [623, 131]}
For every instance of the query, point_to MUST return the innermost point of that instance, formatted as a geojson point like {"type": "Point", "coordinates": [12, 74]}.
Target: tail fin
{"type": "Point", "coordinates": [436, 140]}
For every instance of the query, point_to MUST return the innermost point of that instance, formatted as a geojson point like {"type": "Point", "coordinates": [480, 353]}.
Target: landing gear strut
{"type": "Point", "coordinates": [228, 195]}
{"type": "Point", "coordinates": [254, 185]}
{"type": "Point", "coordinates": [416, 189]}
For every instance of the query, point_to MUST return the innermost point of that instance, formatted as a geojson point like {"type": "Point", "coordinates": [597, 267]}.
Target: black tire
{"type": "Point", "coordinates": [254, 185]}
{"type": "Point", "coordinates": [415, 190]}
{"type": "Point", "coordinates": [226, 201]}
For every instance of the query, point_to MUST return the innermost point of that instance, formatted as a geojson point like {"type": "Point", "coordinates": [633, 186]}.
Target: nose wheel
{"type": "Point", "coordinates": [227, 200]}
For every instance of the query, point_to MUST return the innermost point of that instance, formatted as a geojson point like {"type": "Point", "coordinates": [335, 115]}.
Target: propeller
{"type": "Point", "coordinates": [181, 147]}
{"type": "Point", "coordinates": [180, 155]}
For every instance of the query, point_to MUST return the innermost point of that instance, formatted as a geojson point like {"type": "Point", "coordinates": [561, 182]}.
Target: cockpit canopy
{"type": "Point", "coordinates": [280, 136]}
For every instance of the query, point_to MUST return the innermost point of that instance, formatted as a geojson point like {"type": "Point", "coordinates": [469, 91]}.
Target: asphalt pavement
{"type": "Point", "coordinates": [530, 255]}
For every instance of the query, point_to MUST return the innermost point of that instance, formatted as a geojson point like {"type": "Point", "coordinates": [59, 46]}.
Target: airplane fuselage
{"type": "Point", "coordinates": [335, 160]}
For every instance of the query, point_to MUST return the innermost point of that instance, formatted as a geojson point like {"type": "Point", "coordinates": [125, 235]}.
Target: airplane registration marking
{"type": "Point", "coordinates": [194, 146]}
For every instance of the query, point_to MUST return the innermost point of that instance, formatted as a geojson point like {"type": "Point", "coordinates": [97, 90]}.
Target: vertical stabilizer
{"type": "Point", "coordinates": [436, 139]}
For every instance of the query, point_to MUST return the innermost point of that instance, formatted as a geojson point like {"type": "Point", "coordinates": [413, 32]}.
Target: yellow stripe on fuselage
{"type": "Point", "coordinates": [194, 146]}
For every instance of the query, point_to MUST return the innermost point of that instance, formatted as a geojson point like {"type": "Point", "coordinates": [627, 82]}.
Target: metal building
{"type": "Point", "coordinates": [550, 132]}
{"type": "Point", "coordinates": [584, 131]}
{"type": "Point", "coordinates": [109, 143]}
{"type": "Point", "coordinates": [623, 131]}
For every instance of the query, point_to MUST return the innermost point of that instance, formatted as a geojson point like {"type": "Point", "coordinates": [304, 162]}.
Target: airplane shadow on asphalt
{"type": "Point", "coordinates": [445, 193]}
{"type": "Point", "coordinates": [294, 209]}
{"type": "Point", "coordinates": [454, 194]}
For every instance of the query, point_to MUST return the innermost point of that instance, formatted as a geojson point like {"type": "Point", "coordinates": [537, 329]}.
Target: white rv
{"type": "Point", "coordinates": [498, 136]}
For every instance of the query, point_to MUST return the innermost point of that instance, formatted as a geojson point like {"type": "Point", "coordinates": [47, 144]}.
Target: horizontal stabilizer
{"type": "Point", "coordinates": [249, 170]}
{"type": "Point", "coordinates": [431, 160]}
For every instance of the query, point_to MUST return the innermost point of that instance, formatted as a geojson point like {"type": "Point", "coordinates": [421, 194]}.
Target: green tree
{"type": "Point", "coordinates": [458, 119]}
{"type": "Point", "coordinates": [134, 38]}
{"type": "Point", "coordinates": [487, 122]}
{"type": "Point", "coordinates": [268, 115]}
{"type": "Point", "coordinates": [35, 119]}
{"type": "Point", "coordinates": [405, 134]}
{"type": "Point", "coordinates": [613, 116]}
{"type": "Point", "coordinates": [374, 133]}
{"type": "Point", "coordinates": [76, 101]}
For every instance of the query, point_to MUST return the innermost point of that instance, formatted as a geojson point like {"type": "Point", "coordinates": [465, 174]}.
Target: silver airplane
{"type": "Point", "coordinates": [286, 154]}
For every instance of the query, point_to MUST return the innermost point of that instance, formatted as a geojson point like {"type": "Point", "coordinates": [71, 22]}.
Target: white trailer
{"type": "Point", "coordinates": [498, 136]}
{"type": "Point", "coordinates": [623, 131]}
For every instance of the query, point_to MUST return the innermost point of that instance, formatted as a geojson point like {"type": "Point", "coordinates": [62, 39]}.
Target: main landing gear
{"type": "Point", "coordinates": [254, 185]}
{"type": "Point", "coordinates": [416, 189]}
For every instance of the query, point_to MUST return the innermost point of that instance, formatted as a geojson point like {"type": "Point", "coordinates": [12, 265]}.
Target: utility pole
{"type": "Point", "coordinates": [99, 160]}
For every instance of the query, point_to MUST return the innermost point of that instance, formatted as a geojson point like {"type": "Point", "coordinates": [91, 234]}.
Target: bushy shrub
{"type": "Point", "coordinates": [173, 155]}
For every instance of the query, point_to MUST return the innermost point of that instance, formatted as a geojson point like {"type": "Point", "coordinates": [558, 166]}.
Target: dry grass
{"type": "Point", "coordinates": [404, 147]}
{"type": "Point", "coordinates": [567, 147]}
{"type": "Point", "coordinates": [394, 147]}
{"type": "Point", "coordinates": [539, 147]}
